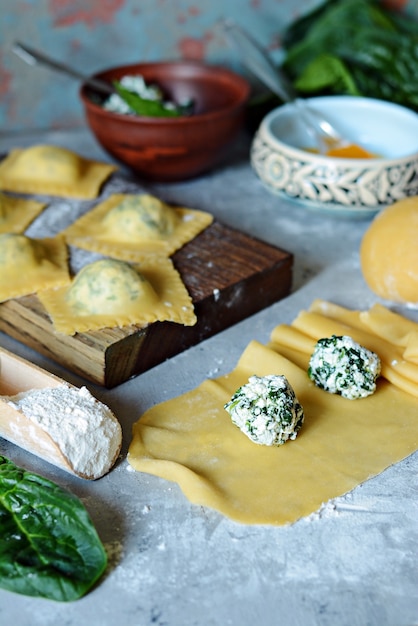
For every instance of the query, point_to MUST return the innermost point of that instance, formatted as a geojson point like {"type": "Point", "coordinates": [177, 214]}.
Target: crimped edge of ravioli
{"type": "Point", "coordinates": [19, 214]}
{"type": "Point", "coordinates": [87, 188]}
{"type": "Point", "coordinates": [21, 280]}
{"type": "Point", "coordinates": [84, 233]}
{"type": "Point", "coordinates": [174, 303]}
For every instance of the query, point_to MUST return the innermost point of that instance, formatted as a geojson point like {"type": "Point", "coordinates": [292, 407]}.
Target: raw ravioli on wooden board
{"type": "Point", "coordinates": [192, 441]}
{"type": "Point", "coordinates": [222, 268]}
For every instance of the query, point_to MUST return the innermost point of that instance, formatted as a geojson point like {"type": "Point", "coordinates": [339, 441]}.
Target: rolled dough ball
{"type": "Point", "coordinates": [389, 252]}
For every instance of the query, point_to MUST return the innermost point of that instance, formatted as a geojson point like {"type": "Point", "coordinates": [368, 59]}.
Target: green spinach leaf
{"type": "Point", "coordinates": [327, 71]}
{"type": "Point", "coordinates": [151, 108]}
{"type": "Point", "coordinates": [48, 544]}
{"type": "Point", "coordinates": [354, 47]}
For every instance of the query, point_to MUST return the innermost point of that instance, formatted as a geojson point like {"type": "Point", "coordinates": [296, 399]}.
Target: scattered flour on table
{"type": "Point", "coordinates": [86, 430]}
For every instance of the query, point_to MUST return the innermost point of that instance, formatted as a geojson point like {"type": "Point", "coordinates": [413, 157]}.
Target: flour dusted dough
{"type": "Point", "coordinates": [51, 170]}
{"type": "Point", "coordinates": [17, 213]}
{"type": "Point", "coordinates": [27, 264]}
{"type": "Point", "coordinates": [129, 227]}
{"type": "Point", "coordinates": [192, 441]}
{"type": "Point", "coordinates": [389, 252]}
{"type": "Point", "coordinates": [109, 293]}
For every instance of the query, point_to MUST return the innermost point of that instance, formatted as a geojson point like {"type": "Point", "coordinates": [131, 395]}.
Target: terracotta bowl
{"type": "Point", "coordinates": [346, 186]}
{"type": "Point", "coordinates": [170, 149]}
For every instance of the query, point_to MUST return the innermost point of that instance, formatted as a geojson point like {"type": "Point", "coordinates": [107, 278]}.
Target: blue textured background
{"type": "Point", "coordinates": [95, 34]}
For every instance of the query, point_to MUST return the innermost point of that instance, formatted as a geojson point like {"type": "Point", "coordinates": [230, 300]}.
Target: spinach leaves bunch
{"type": "Point", "coordinates": [48, 545]}
{"type": "Point", "coordinates": [355, 47]}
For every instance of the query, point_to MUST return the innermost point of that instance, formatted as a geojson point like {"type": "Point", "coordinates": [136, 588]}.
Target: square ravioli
{"type": "Point", "coordinates": [52, 170]}
{"type": "Point", "coordinates": [132, 226]}
{"type": "Point", "coordinates": [17, 213]}
{"type": "Point", "coordinates": [109, 292]}
{"type": "Point", "coordinates": [28, 265]}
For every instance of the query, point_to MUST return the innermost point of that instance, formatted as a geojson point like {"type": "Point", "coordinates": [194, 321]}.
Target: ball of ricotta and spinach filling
{"type": "Point", "coordinates": [266, 410]}
{"type": "Point", "coordinates": [342, 366]}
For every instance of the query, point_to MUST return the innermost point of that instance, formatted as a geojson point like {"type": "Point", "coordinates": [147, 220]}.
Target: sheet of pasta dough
{"type": "Point", "coordinates": [192, 441]}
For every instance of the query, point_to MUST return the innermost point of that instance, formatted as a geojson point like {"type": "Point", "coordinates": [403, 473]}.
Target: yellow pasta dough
{"type": "Point", "coordinates": [27, 265]}
{"type": "Point", "coordinates": [17, 213]}
{"type": "Point", "coordinates": [110, 292]}
{"type": "Point", "coordinates": [52, 170]}
{"type": "Point", "coordinates": [192, 441]}
{"type": "Point", "coordinates": [129, 227]}
{"type": "Point", "coordinates": [389, 252]}
{"type": "Point", "coordinates": [402, 332]}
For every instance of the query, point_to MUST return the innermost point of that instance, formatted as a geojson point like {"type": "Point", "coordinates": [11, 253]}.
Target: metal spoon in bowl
{"type": "Point", "coordinates": [33, 57]}
{"type": "Point", "coordinates": [258, 61]}
{"type": "Point", "coordinates": [140, 105]}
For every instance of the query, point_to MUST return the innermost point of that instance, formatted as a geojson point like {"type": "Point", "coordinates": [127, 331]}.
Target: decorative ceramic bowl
{"type": "Point", "coordinates": [167, 148]}
{"type": "Point", "coordinates": [281, 155]}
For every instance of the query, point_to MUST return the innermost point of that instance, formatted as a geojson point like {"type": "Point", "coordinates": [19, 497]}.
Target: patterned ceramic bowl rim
{"type": "Point", "coordinates": [357, 186]}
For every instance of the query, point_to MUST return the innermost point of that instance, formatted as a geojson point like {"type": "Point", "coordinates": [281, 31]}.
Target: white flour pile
{"type": "Point", "coordinates": [85, 430]}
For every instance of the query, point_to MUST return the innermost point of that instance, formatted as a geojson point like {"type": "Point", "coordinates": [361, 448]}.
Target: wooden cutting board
{"type": "Point", "coordinates": [229, 276]}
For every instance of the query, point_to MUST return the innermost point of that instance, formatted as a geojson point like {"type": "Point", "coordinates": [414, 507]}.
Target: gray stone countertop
{"type": "Point", "coordinates": [172, 563]}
